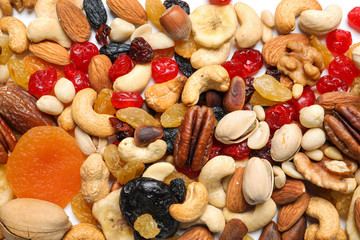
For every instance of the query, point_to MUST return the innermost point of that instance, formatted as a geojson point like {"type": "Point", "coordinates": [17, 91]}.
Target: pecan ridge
{"type": "Point", "coordinates": [7, 141]}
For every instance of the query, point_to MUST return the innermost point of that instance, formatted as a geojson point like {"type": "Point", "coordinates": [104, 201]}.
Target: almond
{"type": "Point", "coordinates": [291, 191]}
{"type": "Point", "coordinates": [329, 100]}
{"type": "Point", "coordinates": [235, 200]}
{"type": "Point", "coordinates": [50, 52]}
{"type": "Point", "coordinates": [270, 232]}
{"type": "Point", "coordinates": [357, 214]}
{"type": "Point", "coordinates": [99, 72]}
{"type": "Point", "coordinates": [128, 10]}
{"type": "Point", "coordinates": [289, 214]}
{"type": "Point", "coordinates": [234, 229]}
{"type": "Point", "coordinates": [197, 233]}
{"type": "Point", "coordinates": [297, 231]}
{"type": "Point", "coordinates": [73, 21]}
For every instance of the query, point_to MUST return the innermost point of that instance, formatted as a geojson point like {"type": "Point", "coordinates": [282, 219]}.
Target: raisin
{"type": "Point", "coordinates": [146, 226]}
{"type": "Point", "coordinates": [169, 137]}
{"type": "Point", "coordinates": [271, 89]}
{"type": "Point", "coordinates": [6, 52]}
{"type": "Point", "coordinates": [219, 113]}
{"type": "Point", "coordinates": [249, 88]}
{"type": "Point", "coordinates": [141, 51]}
{"type": "Point", "coordinates": [103, 103]}
{"type": "Point", "coordinates": [173, 116]}
{"type": "Point", "coordinates": [114, 49]}
{"type": "Point", "coordinates": [18, 72]}
{"type": "Point", "coordinates": [179, 175]}
{"type": "Point", "coordinates": [136, 117]}
{"type": "Point", "coordinates": [102, 35]}
{"type": "Point", "coordinates": [95, 13]}
{"type": "Point", "coordinates": [321, 47]}
{"type": "Point", "coordinates": [274, 72]}
{"type": "Point", "coordinates": [184, 65]}
{"type": "Point", "coordinates": [178, 188]}
{"type": "Point", "coordinates": [131, 170]}
{"type": "Point", "coordinates": [338, 41]}
{"type": "Point", "coordinates": [184, 5]}
{"type": "Point", "coordinates": [185, 48]}
{"type": "Point", "coordinates": [122, 129]}
{"type": "Point", "coordinates": [82, 210]}
{"type": "Point", "coordinates": [112, 159]}
{"type": "Point", "coordinates": [154, 10]}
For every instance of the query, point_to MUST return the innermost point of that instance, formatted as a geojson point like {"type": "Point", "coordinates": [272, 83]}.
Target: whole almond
{"type": "Point", "coordinates": [235, 200]}
{"type": "Point", "coordinates": [291, 191]}
{"type": "Point", "coordinates": [99, 72]}
{"type": "Point", "coordinates": [73, 21]}
{"type": "Point", "coordinates": [329, 100]}
{"type": "Point", "coordinates": [50, 52]}
{"type": "Point", "coordinates": [234, 229]}
{"type": "Point", "coordinates": [270, 232]}
{"type": "Point", "coordinates": [357, 214]}
{"type": "Point", "coordinates": [197, 233]}
{"type": "Point", "coordinates": [128, 10]}
{"type": "Point", "coordinates": [297, 231]}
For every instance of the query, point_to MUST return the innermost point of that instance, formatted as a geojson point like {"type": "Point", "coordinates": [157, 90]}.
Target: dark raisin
{"type": "Point", "coordinates": [219, 113]}
{"type": "Point", "coordinates": [263, 153]}
{"type": "Point", "coordinates": [122, 129]}
{"type": "Point", "coordinates": [141, 51]}
{"type": "Point", "coordinates": [184, 65]}
{"type": "Point", "coordinates": [184, 5]}
{"type": "Point", "coordinates": [95, 13]}
{"type": "Point", "coordinates": [178, 188]}
{"type": "Point", "coordinates": [169, 137]}
{"type": "Point", "coordinates": [146, 195]}
{"type": "Point", "coordinates": [249, 88]}
{"type": "Point", "coordinates": [273, 71]}
{"type": "Point", "coordinates": [102, 35]}
{"type": "Point", "coordinates": [114, 49]}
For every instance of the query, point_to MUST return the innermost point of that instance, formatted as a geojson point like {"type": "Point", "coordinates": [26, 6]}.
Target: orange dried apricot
{"type": "Point", "coordinates": [45, 164]}
{"type": "Point", "coordinates": [82, 210]}
{"type": "Point", "coordinates": [34, 64]}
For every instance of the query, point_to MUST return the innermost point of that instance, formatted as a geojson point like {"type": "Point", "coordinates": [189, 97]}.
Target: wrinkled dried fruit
{"type": "Point", "coordinates": [321, 47]}
{"type": "Point", "coordinates": [136, 117]}
{"type": "Point", "coordinates": [18, 72]}
{"type": "Point", "coordinates": [103, 103]}
{"type": "Point", "coordinates": [279, 115]}
{"type": "Point", "coordinates": [184, 5]}
{"type": "Point", "coordinates": [123, 65]}
{"type": "Point", "coordinates": [102, 34]}
{"type": "Point", "coordinates": [343, 68]}
{"type": "Point", "coordinates": [122, 129]}
{"type": "Point", "coordinates": [185, 48]}
{"type": "Point", "coordinates": [82, 210]}
{"type": "Point", "coordinates": [6, 52]}
{"type": "Point", "coordinates": [271, 89]}
{"type": "Point", "coordinates": [141, 51]}
{"type": "Point", "coordinates": [169, 138]}
{"type": "Point", "coordinates": [130, 171]}
{"type": "Point", "coordinates": [164, 69]}
{"type": "Point", "coordinates": [77, 77]}
{"type": "Point", "coordinates": [173, 116]}
{"type": "Point", "coordinates": [184, 65]}
{"type": "Point", "coordinates": [146, 226]}
{"type": "Point", "coordinates": [154, 9]}
{"type": "Point", "coordinates": [178, 187]}
{"type": "Point", "coordinates": [178, 175]}
{"type": "Point", "coordinates": [126, 99]}
{"type": "Point", "coordinates": [328, 83]}
{"type": "Point", "coordinates": [95, 13]}
{"type": "Point", "coordinates": [338, 41]}
{"type": "Point", "coordinates": [114, 49]}
{"type": "Point", "coordinates": [81, 54]}
{"type": "Point", "coordinates": [42, 82]}
{"type": "Point", "coordinates": [112, 159]}
{"type": "Point", "coordinates": [34, 64]}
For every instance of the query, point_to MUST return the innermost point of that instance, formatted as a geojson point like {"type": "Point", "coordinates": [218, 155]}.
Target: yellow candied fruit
{"type": "Point", "coordinates": [136, 117]}
{"type": "Point", "coordinates": [185, 48]}
{"type": "Point", "coordinates": [82, 210]}
{"type": "Point", "coordinates": [269, 88]}
{"type": "Point", "coordinates": [146, 226]}
{"type": "Point", "coordinates": [321, 47]}
{"type": "Point", "coordinates": [34, 64]}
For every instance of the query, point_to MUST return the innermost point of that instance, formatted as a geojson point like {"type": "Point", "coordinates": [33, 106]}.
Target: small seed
{"type": "Point", "coordinates": [313, 139]}
{"type": "Point", "coordinates": [267, 34]}
{"type": "Point", "coordinates": [213, 99]}
{"type": "Point", "coordinates": [268, 18]}
{"type": "Point", "coordinates": [333, 153]}
{"type": "Point", "coordinates": [50, 105]}
{"type": "Point", "coordinates": [290, 169]}
{"type": "Point", "coordinates": [144, 135]}
{"type": "Point", "coordinates": [4, 73]}
{"type": "Point", "coordinates": [297, 90]}
{"type": "Point", "coordinates": [234, 99]}
{"type": "Point", "coordinates": [315, 155]}
{"type": "Point", "coordinates": [280, 177]}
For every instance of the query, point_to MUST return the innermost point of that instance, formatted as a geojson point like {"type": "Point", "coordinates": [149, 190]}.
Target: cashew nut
{"type": "Point", "coordinates": [50, 105]}
{"type": "Point", "coordinates": [4, 74]}
{"type": "Point", "coordinates": [87, 144]}
{"type": "Point", "coordinates": [159, 171]}
{"type": "Point", "coordinates": [46, 8]}
{"type": "Point", "coordinates": [350, 221]}
{"type": "Point", "coordinates": [315, 22]}
{"type": "Point", "coordinates": [210, 77]}
{"type": "Point", "coordinates": [134, 81]}
{"type": "Point", "coordinates": [44, 28]}
{"type": "Point", "coordinates": [207, 56]}
{"type": "Point", "coordinates": [257, 218]}
{"type": "Point", "coordinates": [194, 205]}
{"type": "Point", "coordinates": [250, 30]}
{"type": "Point", "coordinates": [313, 228]}
{"type": "Point", "coordinates": [356, 56]}
{"type": "Point", "coordinates": [84, 231]}
{"type": "Point", "coordinates": [18, 41]}
{"type": "Point", "coordinates": [121, 30]}
{"type": "Point", "coordinates": [280, 177]}
{"type": "Point", "coordinates": [65, 120]}
{"type": "Point", "coordinates": [211, 174]}
{"type": "Point", "coordinates": [130, 152]}
{"type": "Point", "coordinates": [85, 117]}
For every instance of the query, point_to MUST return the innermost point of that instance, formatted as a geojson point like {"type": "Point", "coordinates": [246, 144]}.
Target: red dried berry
{"type": "Point", "coordinates": [338, 41]}
{"type": "Point", "coordinates": [42, 82]}
{"type": "Point", "coordinates": [102, 34]}
{"type": "Point", "coordinates": [237, 151]}
{"type": "Point", "coordinates": [343, 68]}
{"type": "Point", "coordinates": [329, 83]}
{"type": "Point", "coordinates": [249, 88]}
{"type": "Point", "coordinates": [77, 77]}
{"type": "Point", "coordinates": [354, 17]}
{"type": "Point", "coordinates": [81, 54]}
{"type": "Point", "coordinates": [216, 148]}
{"type": "Point", "coordinates": [164, 69]}
{"type": "Point", "coordinates": [251, 59]}
{"type": "Point", "coordinates": [188, 171]}
{"type": "Point", "coordinates": [141, 51]}
{"type": "Point", "coordinates": [279, 115]}
{"type": "Point", "coordinates": [306, 99]}
{"type": "Point", "coordinates": [122, 65]}
{"type": "Point", "coordinates": [126, 99]}
{"type": "Point", "coordinates": [220, 2]}
{"type": "Point", "coordinates": [234, 69]}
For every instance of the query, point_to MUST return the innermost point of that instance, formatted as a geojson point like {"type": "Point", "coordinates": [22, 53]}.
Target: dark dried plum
{"type": "Point", "coordinates": [249, 88]}
{"type": "Point", "coordinates": [219, 113]}
{"type": "Point", "coordinates": [273, 71]}
{"type": "Point", "coordinates": [114, 49]}
{"type": "Point", "coordinates": [141, 51]}
{"type": "Point", "coordinates": [146, 195]}
{"type": "Point", "coordinates": [95, 13]}
{"type": "Point", "coordinates": [169, 137]}
{"type": "Point", "coordinates": [184, 65]}
{"type": "Point", "coordinates": [184, 5]}
{"type": "Point", "coordinates": [177, 186]}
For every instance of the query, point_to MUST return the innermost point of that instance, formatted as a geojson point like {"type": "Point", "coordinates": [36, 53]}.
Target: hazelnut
{"type": "Point", "coordinates": [176, 23]}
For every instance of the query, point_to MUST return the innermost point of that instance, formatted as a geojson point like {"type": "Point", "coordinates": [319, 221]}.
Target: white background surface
{"type": "Point", "coordinates": [259, 5]}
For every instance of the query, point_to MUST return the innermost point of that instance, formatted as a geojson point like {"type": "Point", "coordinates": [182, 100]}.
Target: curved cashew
{"type": "Point", "coordinates": [134, 81]}
{"type": "Point", "coordinates": [350, 221]}
{"type": "Point", "coordinates": [18, 42]}
{"type": "Point", "coordinates": [194, 205]}
{"type": "Point", "coordinates": [43, 28]}
{"type": "Point", "coordinates": [257, 218]}
{"type": "Point", "coordinates": [280, 177]}
{"type": "Point", "coordinates": [250, 31]}
{"type": "Point", "coordinates": [317, 22]}
{"type": "Point", "coordinates": [207, 56]}
{"type": "Point", "coordinates": [210, 77]}
{"type": "Point", "coordinates": [212, 173]}
{"type": "Point", "coordinates": [85, 117]}
{"type": "Point", "coordinates": [159, 171]}
{"type": "Point", "coordinates": [313, 228]}
{"type": "Point", "coordinates": [130, 152]}
{"type": "Point", "coordinates": [213, 218]}
{"type": "Point", "coordinates": [328, 217]}
{"type": "Point", "coordinates": [288, 10]}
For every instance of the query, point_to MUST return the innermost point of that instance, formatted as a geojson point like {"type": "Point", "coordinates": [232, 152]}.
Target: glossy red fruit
{"type": "Point", "coordinates": [220, 2]}
{"type": "Point", "coordinates": [42, 82]}
{"type": "Point", "coordinates": [122, 65]}
{"type": "Point", "coordinates": [237, 151]}
{"type": "Point", "coordinates": [126, 99]}
{"type": "Point", "coordinates": [338, 41]}
{"type": "Point", "coordinates": [343, 68]}
{"type": "Point", "coordinates": [188, 171]}
{"type": "Point", "coordinates": [329, 83]}
{"type": "Point", "coordinates": [354, 17]}
{"type": "Point", "coordinates": [164, 69]}
{"type": "Point", "coordinates": [77, 77]}
{"type": "Point", "coordinates": [279, 115]}
{"type": "Point", "coordinates": [234, 69]}
{"type": "Point", "coordinates": [251, 59]}
{"type": "Point", "coordinates": [306, 99]}
{"type": "Point", "coordinates": [216, 148]}
{"type": "Point", "coordinates": [81, 54]}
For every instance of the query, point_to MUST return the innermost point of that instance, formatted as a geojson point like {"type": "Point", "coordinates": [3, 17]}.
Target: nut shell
{"type": "Point", "coordinates": [176, 23]}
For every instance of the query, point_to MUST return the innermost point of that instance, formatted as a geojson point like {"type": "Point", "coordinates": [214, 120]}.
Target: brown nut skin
{"type": "Point", "coordinates": [144, 135]}
{"type": "Point", "coordinates": [213, 99]}
{"type": "Point", "coordinates": [297, 231]}
{"type": "Point", "coordinates": [234, 98]}
{"type": "Point", "coordinates": [176, 23]}
{"type": "Point", "coordinates": [197, 233]}
{"type": "Point", "coordinates": [235, 200]}
{"type": "Point", "coordinates": [99, 72]}
{"type": "Point", "coordinates": [329, 100]}
{"type": "Point", "coordinates": [270, 232]}
{"type": "Point", "coordinates": [234, 229]}
{"type": "Point", "coordinates": [291, 191]}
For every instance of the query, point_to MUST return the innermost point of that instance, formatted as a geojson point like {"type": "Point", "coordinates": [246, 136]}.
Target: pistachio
{"type": "Point", "coordinates": [236, 126]}
{"type": "Point", "coordinates": [260, 137]}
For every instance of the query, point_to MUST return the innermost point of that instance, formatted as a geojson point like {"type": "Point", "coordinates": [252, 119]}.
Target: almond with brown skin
{"type": "Point", "coordinates": [270, 232]}
{"type": "Point", "coordinates": [129, 10]}
{"type": "Point", "coordinates": [99, 72]}
{"type": "Point", "coordinates": [291, 191]}
{"type": "Point", "coordinates": [297, 231]}
{"type": "Point", "coordinates": [73, 21]}
{"type": "Point", "coordinates": [357, 214]}
{"type": "Point", "coordinates": [235, 200]}
{"type": "Point", "coordinates": [197, 233]}
{"type": "Point", "coordinates": [234, 229]}
{"type": "Point", "coordinates": [50, 52]}
{"type": "Point", "coordinates": [329, 100]}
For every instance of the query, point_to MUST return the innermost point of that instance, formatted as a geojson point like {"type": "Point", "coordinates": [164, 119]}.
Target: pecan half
{"type": "Point", "coordinates": [194, 139]}
{"type": "Point", "coordinates": [7, 141]}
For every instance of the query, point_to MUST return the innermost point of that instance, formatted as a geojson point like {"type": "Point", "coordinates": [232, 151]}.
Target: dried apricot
{"type": "Point", "coordinates": [34, 64]}
{"type": "Point", "coordinates": [45, 164]}
{"type": "Point", "coordinates": [82, 210]}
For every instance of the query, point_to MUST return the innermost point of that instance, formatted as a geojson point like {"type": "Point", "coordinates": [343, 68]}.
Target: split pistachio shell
{"type": "Point", "coordinates": [236, 126]}
{"type": "Point", "coordinates": [260, 137]}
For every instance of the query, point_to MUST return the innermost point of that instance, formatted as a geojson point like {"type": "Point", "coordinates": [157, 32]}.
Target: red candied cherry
{"type": "Point", "coordinates": [122, 65]}
{"type": "Point", "coordinates": [42, 82]}
{"type": "Point", "coordinates": [164, 69]}
{"type": "Point", "coordinates": [329, 83]}
{"type": "Point", "coordinates": [237, 151]}
{"type": "Point", "coordinates": [216, 148]}
{"type": "Point", "coordinates": [279, 115]}
{"type": "Point", "coordinates": [234, 69]}
{"type": "Point", "coordinates": [338, 41]}
{"type": "Point", "coordinates": [126, 99]}
{"type": "Point", "coordinates": [306, 99]}
{"type": "Point", "coordinates": [77, 77]}
{"type": "Point", "coordinates": [354, 17]}
{"type": "Point", "coordinates": [343, 68]}
{"type": "Point", "coordinates": [251, 59]}
{"type": "Point", "coordinates": [81, 54]}
{"type": "Point", "coordinates": [220, 2]}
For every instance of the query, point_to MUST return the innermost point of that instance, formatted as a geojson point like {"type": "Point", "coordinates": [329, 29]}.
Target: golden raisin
{"type": "Point", "coordinates": [185, 48]}
{"type": "Point", "coordinates": [6, 52]}
{"type": "Point", "coordinates": [103, 103]}
{"type": "Point", "coordinates": [112, 159]}
{"type": "Point", "coordinates": [154, 9]}
{"type": "Point", "coordinates": [136, 117]}
{"type": "Point", "coordinates": [130, 171]}
{"type": "Point", "coordinates": [271, 89]}
{"type": "Point", "coordinates": [146, 226]}
{"type": "Point", "coordinates": [355, 86]}
{"type": "Point", "coordinates": [34, 64]}
{"type": "Point", "coordinates": [257, 99]}
{"type": "Point", "coordinates": [82, 210]}
{"type": "Point", "coordinates": [18, 72]}
{"type": "Point", "coordinates": [321, 47]}
{"type": "Point", "coordinates": [173, 116]}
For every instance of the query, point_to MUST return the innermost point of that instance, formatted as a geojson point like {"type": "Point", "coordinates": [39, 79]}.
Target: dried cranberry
{"type": "Point", "coordinates": [338, 41]}
{"type": "Point", "coordinates": [237, 151]}
{"type": "Point", "coordinates": [354, 17]}
{"type": "Point", "coordinates": [188, 171]}
{"type": "Point", "coordinates": [42, 82]}
{"type": "Point", "coordinates": [249, 88]}
{"type": "Point", "coordinates": [306, 99]}
{"type": "Point", "coordinates": [234, 69]}
{"type": "Point", "coordinates": [216, 148]}
{"type": "Point", "coordinates": [220, 2]}
{"type": "Point", "coordinates": [274, 72]}
{"type": "Point", "coordinates": [81, 54]}
{"type": "Point", "coordinates": [141, 51]}
{"type": "Point", "coordinates": [123, 65]}
{"type": "Point", "coordinates": [343, 68]}
{"type": "Point", "coordinates": [279, 115]}
{"type": "Point", "coordinates": [102, 34]}
{"type": "Point", "coordinates": [329, 83]}
{"type": "Point", "coordinates": [77, 77]}
{"type": "Point", "coordinates": [126, 99]}
{"type": "Point", "coordinates": [263, 153]}
{"type": "Point", "coordinates": [251, 59]}
{"type": "Point", "coordinates": [122, 129]}
{"type": "Point", "coordinates": [164, 69]}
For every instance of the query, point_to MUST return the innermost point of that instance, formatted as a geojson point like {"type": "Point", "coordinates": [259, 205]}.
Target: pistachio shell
{"type": "Point", "coordinates": [236, 126]}
{"type": "Point", "coordinates": [286, 142]}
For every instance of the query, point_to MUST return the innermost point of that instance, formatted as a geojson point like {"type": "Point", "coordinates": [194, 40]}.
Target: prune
{"type": "Point", "coordinates": [141, 51]}
{"type": "Point", "coordinates": [184, 65]}
{"type": "Point", "coordinates": [169, 137]}
{"type": "Point", "coordinates": [102, 35]}
{"type": "Point", "coordinates": [146, 195]}
{"type": "Point", "coordinates": [95, 13]}
{"type": "Point", "coordinates": [184, 5]}
{"type": "Point", "coordinates": [274, 72]}
{"type": "Point", "coordinates": [177, 186]}
{"type": "Point", "coordinates": [249, 88]}
{"type": "Point", "coordinates": [114, 49]}
{"type": "Point", "coordinates": [219, 113]}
